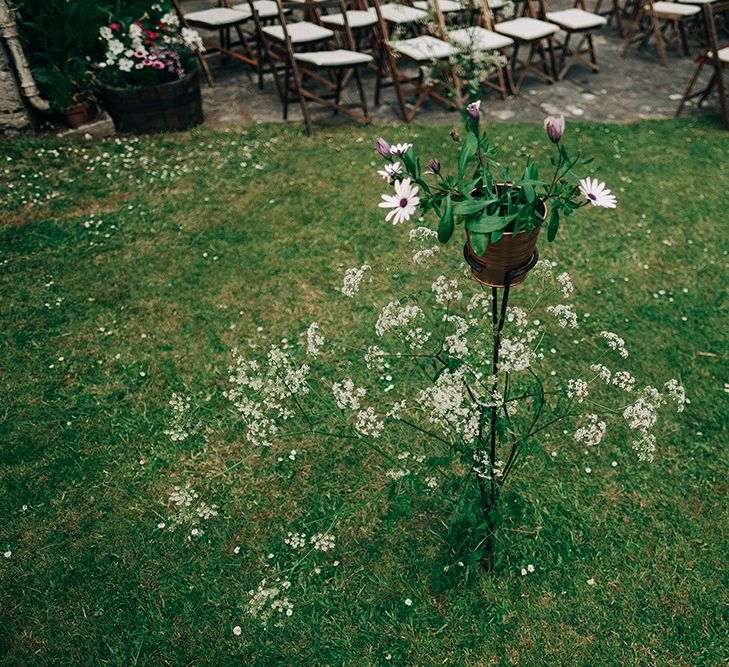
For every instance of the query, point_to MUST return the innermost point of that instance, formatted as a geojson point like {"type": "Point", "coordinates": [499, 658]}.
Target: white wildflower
{"type": "Point", "coordinates": [368, 423]}
{"type": "Point", "coordinates": [314, 340]}
{"type": "Point", "coordinates": [577, 389]}
{"type": "Point", "coordinates": [677, 393]}
{"type": "Point", "coordinates": [592, 432]}
{"type": "Point", "coordinates": [565, 315]}
{"type": "Point", "coordinates": [347, 396]}
{"type": "Point", "coordinates": [352, 279]}
{"type": "Point", "coordinates": [615, 342]}
{"type": "Point", "coordinates": [446, 290]}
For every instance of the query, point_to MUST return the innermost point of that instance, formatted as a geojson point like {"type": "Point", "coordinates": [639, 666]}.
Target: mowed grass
{"type": "Point", "coordinates": [130, 268]}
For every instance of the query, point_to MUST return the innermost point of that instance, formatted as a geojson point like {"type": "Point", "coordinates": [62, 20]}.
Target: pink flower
{"type": "Point", "coordinates": [114, 26]}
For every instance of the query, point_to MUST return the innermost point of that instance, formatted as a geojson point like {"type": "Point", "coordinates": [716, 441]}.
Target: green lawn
{"type": "Point", "coordinates": [129, 268]}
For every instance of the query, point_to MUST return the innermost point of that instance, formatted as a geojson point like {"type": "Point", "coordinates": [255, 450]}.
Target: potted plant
{"type": "Point", "coordinates": [149, 79]}
{"type": "Point", "coordinates": [59, 39]}
{"type": "Point", "coordinates": [502, 214]}
{"type": "Point", "coordinates": [69, 89]}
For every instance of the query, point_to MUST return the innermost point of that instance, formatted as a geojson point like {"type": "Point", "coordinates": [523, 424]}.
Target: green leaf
{"type": "Point", "coordinates": [479, 243]}
{"type": "Point", "coordinates": [470, 146]}
{"type": "Point", "coordinates": [553, 224]}
{"type": "Point", "coordinates": [489, 223]}
{"type": "Point", "coordinates": [471, 206]}
{"type": "Point", "coordinates": [445, 227]}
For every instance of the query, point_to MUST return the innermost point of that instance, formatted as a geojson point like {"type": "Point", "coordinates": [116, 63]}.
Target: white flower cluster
{"type": "Point", "coordinates": [323, 542]}
{"type": "Point", "coordinates": [592, 432]}
{"type": "Point", "coordinates": [347, 396]}
{"type": "Point", "coordinates": [448, 405]}
{"type": "Point", "coordinates": [577, 390]}
{"type": "Point", "coordinates": [181, 425]}
{"type": "Point", "coordinates": [268, 601]}
{"type": "Point", "coordinates": [375, 358]}
{"type": "Point", "coordinates": [455, 343]}
{"type": "Point", "coordinates": [422, 234]}
{"type": "Point", "coordinates": [314, 340]}
{"type": "Point", "coordinates": [188, 510]}
{"type": "Point", "coordinates": [396, 316]}
{"type": "Point", "coordinates": [422, 256]}
{"type": "Point", "coordinates": [261, 393]}
{"type": "Point", "coordinates": [352, 279]}
{"type": "Point", "coordinates": [565, 282]}
{"type": "Point", "coordinates": [446, 290]}
{"type": "Point", "coordinates": [296, 540]}
{"type": "Point", "coordinates": [615, 342]}
{"type": "Point", "coordinates": [566, 317]}
{"type": "Point", "coordinates": [622, 379]}
{"type": "Point", "coordinates": [368, 423]}
{"type": "Point", "coordinates": [677, 393]}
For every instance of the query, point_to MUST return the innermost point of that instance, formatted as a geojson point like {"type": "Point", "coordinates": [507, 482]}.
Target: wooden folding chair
{"type": "Point", "coordinates": [661, 20]}
{"type": "Point", "coordinates": [221, 20]}
{"type": "Point", "coordinates": [717, 57]}
{"type": "Point", "coordinates": [574, 22]}
{"type": "Point", "coordinates": [614, 11]}
{"type": "Point", "coordinates": [322, 65]}
{"type": "Point", "coordinates": [529, 31]}
{"type": "Point", "coordinates": [424, 52]}
{"type": "Point", "coordinates": [481, 37]}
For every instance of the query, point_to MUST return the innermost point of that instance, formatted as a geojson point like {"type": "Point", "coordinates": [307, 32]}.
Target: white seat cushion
{"type": "Point", "coordinates": [723, 55]}
{"type": "Point", "coordinates": [336, 58]}
{"type": "Point", "coordinates": [494, 5]}
{"type": "Point", "coordinates": [424, 48]}
{"type": "Point", "coordinates": [266, 8]}
{"type": "Point", "coordinates": [480, 38]}
{"type": "Point", "coordinates": [300, 32]}
{"type": "Point", "coordinates": [355, 17]}
{"type": "Point", "coordinates": [217, 17]}
{"type": "Point", "coordinates": [576, 19]}
{"type": "Point", "coordinates": [526, 29]}
{"type": "Point", "coordinates": [401, 13]}
{"type": "Point", "coordinates": [446, 6]}
{"type": "Point", "coordinates": [675, 8]}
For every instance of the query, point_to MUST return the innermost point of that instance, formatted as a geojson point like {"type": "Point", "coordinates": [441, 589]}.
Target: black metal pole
{"type": "Point", "coordinates": [498, 318]}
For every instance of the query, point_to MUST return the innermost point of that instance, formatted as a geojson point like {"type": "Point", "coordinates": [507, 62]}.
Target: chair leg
{"type": "Point", "coordinates": [360, 89]}
{"type": "Point", "coordinates": [286, 91]}
{"type": "Point", "coordinates": [618, 14]}
{"type": "Point", "coordinates": [690, 87]}
{"type": "Point", "coordinates": [723, 102]}
{"type": "Point", "coordinates": [660, 41]}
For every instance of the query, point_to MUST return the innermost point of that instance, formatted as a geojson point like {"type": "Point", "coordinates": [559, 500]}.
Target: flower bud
{"type": "Point", "coordinates": [474, 110]}
{"type": "Point", "coordinates": [554, 127]}
{"type": "Point", "coordinates": [382, 147]}
{"type": "Point", "coordinates": [434, 166]}
{"type": "Point", "coordinates": [454, 135]}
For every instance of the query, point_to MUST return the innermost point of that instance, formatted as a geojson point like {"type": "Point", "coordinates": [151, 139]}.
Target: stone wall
{"type": "Point", "coordinates": [13, 114]}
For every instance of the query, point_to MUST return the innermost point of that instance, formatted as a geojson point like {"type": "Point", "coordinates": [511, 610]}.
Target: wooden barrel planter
{"type": "Point", "coordinates": [167, 107]}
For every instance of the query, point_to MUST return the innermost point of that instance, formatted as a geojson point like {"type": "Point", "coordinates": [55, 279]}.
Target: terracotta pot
{"type": "Point", "coordinates": [78, 115]}
{"type": "Point", "coordinates": [508, 253]}
{"type": "Point", "coordinates": [166, 107]}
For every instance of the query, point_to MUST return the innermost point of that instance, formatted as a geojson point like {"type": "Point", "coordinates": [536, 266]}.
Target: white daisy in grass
{"type": "Point", "coordinates": [390, 171]}
{"type": "Point", "coordinates": [399, 149]}
{"type": "Point", "coordinates": [403, 203]}
{"type": "Point", "coordinates": [597, 194]}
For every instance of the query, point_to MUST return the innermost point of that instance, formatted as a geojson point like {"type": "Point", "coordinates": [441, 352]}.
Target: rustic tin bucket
{"type": "Point", "coordinates": [509, 253]}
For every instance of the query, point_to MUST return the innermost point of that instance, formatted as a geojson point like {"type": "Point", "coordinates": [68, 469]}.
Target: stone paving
{"type": "Point", "coordinates": [625, 89]}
